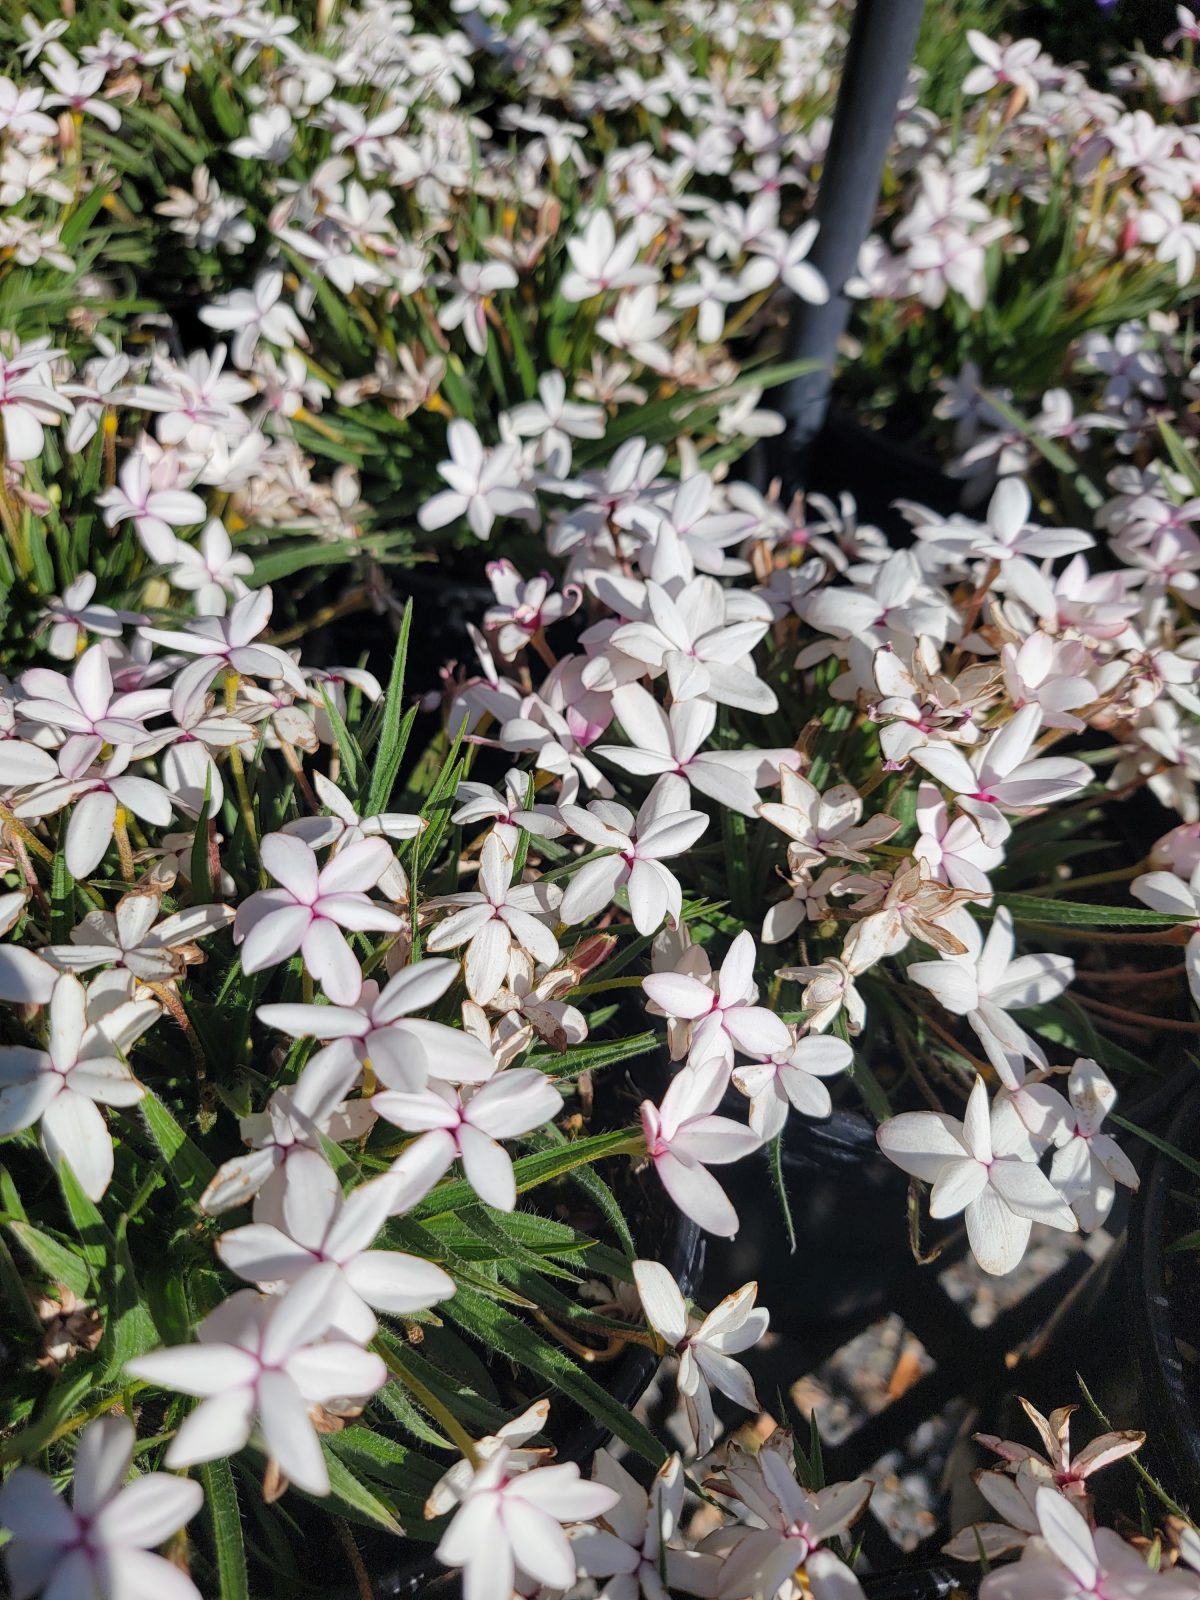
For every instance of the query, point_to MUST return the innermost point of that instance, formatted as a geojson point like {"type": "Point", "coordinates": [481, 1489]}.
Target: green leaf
{"type": "Point", "coordinates": [347, 744]}
{"type": "Point", "coordinates": [188, 1167]}
{"type": "Point", "coordinates": [54, 1259]}
{"type": "Point", "coordinates": [99, 1246]}
{"type": "Point", "coordinates": [225, 1521]}
{"type": "Point", "coordinates": [201, 876]}
{"type": "Point", "coordinates": [352, 1497]}
{"type": "Point", "coordinates": [395, 727]}
{"type": "Point", "coordinates": [65, 1398]}
{"type": "Point", "coordinates": [129, 1329]}
{"type": "Point", "coordinates": [1079, 914]}
{"type": "Point", "coordinates": [511, 1337]}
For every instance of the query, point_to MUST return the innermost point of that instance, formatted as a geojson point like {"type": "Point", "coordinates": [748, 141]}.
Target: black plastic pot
{"type": "Point", "coordinates": [847, 1205]}
{"type": "Point", "coordinates": [1163, 1310]}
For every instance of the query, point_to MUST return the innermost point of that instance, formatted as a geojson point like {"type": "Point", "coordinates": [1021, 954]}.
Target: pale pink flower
{"type": "Point", "coordinates": [467, 1125]}
{"type": "Point", "coordinates": [1088, 1165]}
{"type": "Point", "coordinates": [684, 1138]}
{"type": "Point", "coordinates": [724, 1017]}
{"type": "Point", "coordinates": [264, 1358]}
{"type": "Point", "coordinates": [155, 511]}
{"type": "Point", "coordinates": [790, 1079]}
{"type": "Point", "coordinates": [311, 907]}
{"type": "Point", "coordinates": [981, 1166]}
{"type": "Point", "coordinates": [483, 484]}
{"type": "Point", "coordinates": [493, 918]}
{"type": "Point", "coordinates": [97, 794]}
{"type": "Point", "coordinates": [661, 829]}
{"type": "Point", "coordinates": [102, 1544]}
{"type": "Point", "coordinates": [600, 261]}
{"type": "Point", "coordinates": [84, 708]}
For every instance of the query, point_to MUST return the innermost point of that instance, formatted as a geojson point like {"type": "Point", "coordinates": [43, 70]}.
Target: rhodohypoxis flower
{"type": "Point", "coordinates": [229, 642]}
{"type": "Point", "coordinates": [725, 1018]}
{"type": "Point", "coordinates": [684, 1138]}
{"type": "Point", "coordinates": [469, 1123]}
{"type": "Point", "coordinates": [1177, 239]}
{"type": "Point", "coordinates": [952, 849]}
{"type": "Point", "coordinates": [211, 569]}
{"type": "Point", "coordinates": [484, 484]}
{"type": "Point", "coordinates": [704, 654]}
{"type": "Point", "coordinates": [1177, 897]}
{"type": "Point", "coordinates": [791, 1078]}
{"type": "Point", "coordinates": [29, 403]}
{"type": "Point", "coordinates": [85, 708]}
{"type": "Point", "coordinates": [476, 282]}
{"type": "Point", "coordinates": [264, 1358]}
{"type": "Point", "coordinates": [254, 314]}
{"type": "Point", "coordinates": [344, 827]}
{"type": "Point", "coordinates": [73, 617]}
{"type": "Point", "coordinates": [62, 1086]}
{"type": "Point", "coordinates": [986, 983]}
{"type": "Point", "coordinates": [156, 511]}
{"type": "Point", "coordinates": [25, 979]}
{"type": "Point", "coordinates": [524, 609]}
{"type": "Point", "coordinates": [316, 1224]}
{"type": "Point", "coordinates": [1070, 1561]}
{"type": "Point", "coordinates": [979, 1165]}
{"type": "Point", "coordinates": [509, 1523]}
{"type": "Point", "coordinates": [600, 261]}
{"type": "Point", "coordinates": [100, 1546]}
{"type": "Point", "coordinates": [493, 918]}
{"type": "Point", "coordinates": [1008, 64]}
{"type": "Point", "coordinates": [670, 742]}
{"type": "Point", "coordinates": [295, 1119]}
{"type": "Point", "coordinates": [1068, 1473]}
{"type": "Point", "coordinates": [1088, 1165]}
{"type": "Point", "coordinates": [759, 1561]}
{"type": "Point", "coordinates": [630, 1545]}
{"type": "Point", "coordinates": [828, 824]}
{"type": "Point", "coordinates": [706, 1352]}
{"type": "Point", "coordinates": [379, 1031]}
{"type": "Point", "coordinates": [999, 777]}
{"type": "Point", "coordinates": [661, 829]}
{"type": "Point", "coordinates": [100, 795]}
{"type": "Point", "coordinates": [129, 938]}
{"type": "Point", "coordinates": [1014, 543]}
{"type": "Point", "coordinates": [507, 808]}
{"type": "Point", "coordinates": [311, 907]}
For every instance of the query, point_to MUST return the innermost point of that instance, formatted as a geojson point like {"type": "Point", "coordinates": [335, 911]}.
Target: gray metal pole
{"type": "Point", "coordinates": [882, 40]}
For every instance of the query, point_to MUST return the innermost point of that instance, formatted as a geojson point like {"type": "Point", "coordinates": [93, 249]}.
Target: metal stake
{"type": "Point", "coordinates": [882, 40]}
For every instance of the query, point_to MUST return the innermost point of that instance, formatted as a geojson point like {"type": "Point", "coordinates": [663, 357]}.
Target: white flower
{"type": "Point", "coordinates": [684, 1138]}
{"type": "Point", "coordinates": [630, 1545]}
{"type": "Point", "coordinates": [98, 1547]}
{"type": "Point", "coordinates": [1088, 1165]}
{"type": "Point", "coordinates": [62, 1085]}
{"type": "Point", "coordinates": [344, 827]}
{"type": "Point", "coordinates": [781, 257]}
{"type": "Point", "coordinates": [508, 1523]}
{"type": "Point", "coordinates": [155, 512]}
{"type": "Point", "coordinates": [467, 1124]}
{"type": "Point", "coordinates": [403, 1051]}
{"type": "Point", "coordinates": [705, 1352]}
{"type": "Point", "coordinates": [1177, 897]}
{"type": "Point", "coordinates": [979, 1165]}
{"type": "Point", "coordinates": [760, 1560]}
{"type": "Point", "coordinates": [128, 939]}
{"type": "Point", "coordinates": [102, 793]}
{"type": "Point", "coordinates": [479, 802]}
{"type": "Point", "coordinates": [662, 828]}
{"type": "Point", "coordinates": [724, 1017]}
{"type": "Point", "coordinates": [73, 617]}
{"type": "Point", "coordinates": [493, 918]}
{"type": "Point", "coordinates": [85, 710]}
{"type": "Point", "coordinates": [317, 1224]}
{"type": "Point", "coordinates": [670, 742]}
{"type": "Point", "coordinates": [295, 1119]}
{"type": "Point", "coordinates": [985, 984]}
{"type": "Point", "coordinates": [210, 569]}
{"type": "Point", "coordinates": [255, 314]}
{"type": "Point", "coordinates": [822, 825]}
{"type": "Point", "coordinates": [791, 1079]}
{"type": "Point", "coordinates": [271, 137]}
{"type": "Point", "coordinates": [476, 282]}
{"type": "Point", "coordinates": [264, 1358]}
{"type": "Point", "coordinates": [1163, 225]}
{"type": "Point", "coordinates": [953, 851]}
{"type": "Point", "coordinates": [1007, 64]}
{"type": "Point", "coordinates": [601, 261]}
{"type": "Point", "coordinates": [229, 643]}
{"type": "Point", "coordinates": [484, 484]}
{"type": "Point", "coordinates": [28, 401]}
{"type": "Point", "coordinates": [690, 636]}
{"type": "Point", "coordinates": [524, 609]}
{"type": "Point", "coordinates": [999, 778]}
{"type": "Point", "coordinates": [311, 907]}
{"type": "Point", "coordinates": [1070, 1561]}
